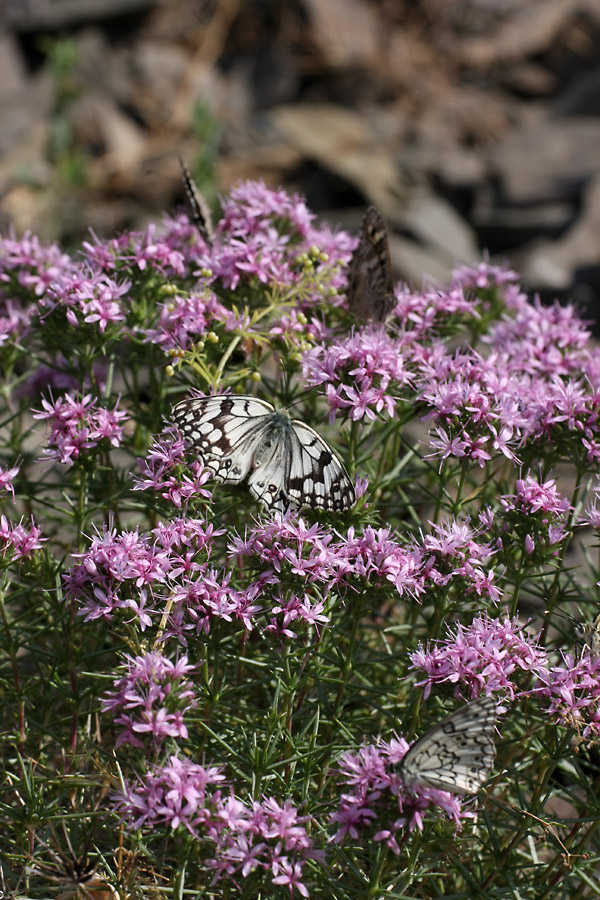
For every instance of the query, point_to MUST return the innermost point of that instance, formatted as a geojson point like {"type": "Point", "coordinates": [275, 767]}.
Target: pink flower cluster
{"type": "Point", "coordinates": [36, 266]}
{"type": "Point", "coordinates": [433, 312]}
{"type": "Point", "coordinates": [88, 297]}
{"type": "Point", "coordinates": [573, 690]}
{"type": "Point", "coordinates": [487, 656]}
{"type": "Point", "coordinates": [162, 472]}
{"type": "Point", "coordinates": [143, 251]}
{"type": "Point", "coordinates": [285, 547]}
{"type": "Point", "coordinates": [538, 383]}
{"type": "Point", "coordinates": [118, 570]}
{"type": "Point", "coordinates": [262, 232]}
{"type": "Point", "coordinates": [185, 319]}
{"type": "Point", "coordinates": [483, 276]}
{"type": "Point", "coordinates": [538, 515]}
{"type": "Point", "coordinates": [454, 551]}
{"type": "Point", "coordinates": [236, 838]}
{"type": "Point", "coordinates": [542, 340]}
{"type": "Point", "coordinates": [78, 425]}
{"type": "Point", "coordinates": [379, 804]}
{"type": "Point", "coordinates": [591, 514]}
{"type": "Point", "coordinates": [378, 368]}
{"type": "Point", "coordinates": [284, 574]}
{"type": "Point", "coordinates": [18, 541]}
{"type": "Point", "coordinates": [150, 699]}
{"type": "Point", "coordinates": [6, 479]}
{"type": "Point", "coordinates": [498, 656]}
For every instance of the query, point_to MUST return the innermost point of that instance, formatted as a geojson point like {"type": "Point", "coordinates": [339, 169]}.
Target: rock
{"type": "Point", "coordinates": [60, 14]}
{"type": "Point", "coordinates": [103, 67]}
{"type": "Point", "coordinates": [537, 25]}
{"type": "Point", "coordinates": [99, 124]}
{"type": "Point", "coordinates": [342, 141]}
{"type": "Point", "coordinates": [12, 71]}
{"type": "Point", "coordinates": [416, 265]}
{"type": "Point", "coordinates": [347, 32]}
{"type": "Point", "coordinates": [581, 98]}
{"type": "Point", "coordinates": [437, 224]}
{"type": "Point", "coordinates": [548, 160]}
{"type": "Point", "coordinates": [24, 109]}
{"type": "Point", "coordinates": [509, 226]}
{"type": "Point", "coordinates": [552, 264]}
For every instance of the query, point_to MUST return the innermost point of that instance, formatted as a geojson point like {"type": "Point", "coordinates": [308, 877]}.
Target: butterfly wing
{"type": "Point", "coordinates": [268, 479]}
{"type": "Point", "coordinates": [370, 288]}
{"type": "Point", "coordinates": [199, 208]}
{"type": "Point", "coordinates": [316, 476]}
{"type": "Point", "coordinates": [457, 754]}
{"type": "Point", "coordinates": [225, 432]}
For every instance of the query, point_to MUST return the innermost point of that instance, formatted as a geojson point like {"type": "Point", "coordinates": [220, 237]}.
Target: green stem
{"type": "Point", "coordinates": [519, 578]}
{"type": "Point", "coordinates": [221, 367]}
{"type": "Point", "coordinates": [12, 653]}
{"type": "Point", "coordinates": [81, 509]}
{"type": "Point", "coordinates": [512, 842]}
{"type": "Point", "coordinates": [375, 879]}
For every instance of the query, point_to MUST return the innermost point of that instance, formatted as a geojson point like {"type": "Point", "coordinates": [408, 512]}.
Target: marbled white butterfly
{"type": "Point", "coordinates": [200, 210]}
{"type": "Point", "coordinates": [286, 463]}
{"type": "Point", "coordinates": [457, 754]}
{"type": "Point", "coordinates": [370, 288]}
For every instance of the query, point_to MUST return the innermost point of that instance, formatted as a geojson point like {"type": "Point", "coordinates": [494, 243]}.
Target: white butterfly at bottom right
{"type": "Point", "coordinates": [457, 754]}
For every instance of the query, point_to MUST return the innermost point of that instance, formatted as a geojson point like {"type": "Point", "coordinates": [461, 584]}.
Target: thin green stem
{"type": "Point", "coordinates": [13, 649]}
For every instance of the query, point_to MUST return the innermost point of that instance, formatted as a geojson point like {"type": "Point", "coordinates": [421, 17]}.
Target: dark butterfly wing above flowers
{"type": "Point", "coordinates": [370, 288]}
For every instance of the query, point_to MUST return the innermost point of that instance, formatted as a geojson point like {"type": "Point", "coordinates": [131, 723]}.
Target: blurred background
{"type": "Point", "coordinates": [473, 125]}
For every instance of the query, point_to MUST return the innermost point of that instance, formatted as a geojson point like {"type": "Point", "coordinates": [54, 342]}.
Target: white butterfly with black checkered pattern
{"type": "Point", "coordinates": [457, 754]}
{"type": "Point", "coordinates": [286, 464]}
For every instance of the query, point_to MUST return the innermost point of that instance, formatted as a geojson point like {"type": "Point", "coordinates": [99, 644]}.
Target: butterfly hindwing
{"type": "Point", "coordinates": [317, 476]}
{"type": "Point", "coordinates": [370, 288]}
{"type": "Point", "coordinates": [457, 754]}
{"type": "Point", "coordinates": [285, 462]}
{"type": "Point", "coordinates": [199, 208]}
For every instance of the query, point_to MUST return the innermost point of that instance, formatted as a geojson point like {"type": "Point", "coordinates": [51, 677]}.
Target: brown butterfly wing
{"type": "Point", "coordinates": [200, 212]}
{"type": "Point", "coordinates": [370, 288]}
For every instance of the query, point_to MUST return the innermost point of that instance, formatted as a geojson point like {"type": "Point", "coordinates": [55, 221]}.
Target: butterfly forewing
{"type": "Point", "coordinates": [286, 463]}
{"type": "Point", "coordinates": [457, 754]}
{"type": "Point", "coordinates": [370, 288]}
{"type": "Point", "coordinates": [199, 208]}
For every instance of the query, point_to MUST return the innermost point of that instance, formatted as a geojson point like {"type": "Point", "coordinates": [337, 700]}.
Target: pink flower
{"type": "Point", "coordinates": [78, 425]}
{"type": "Point", "coordinates": [489, 655]}
{"type": "Point", "coordinates": [6, 479]}
{"type": "Point", "coordinates": [17, 541]}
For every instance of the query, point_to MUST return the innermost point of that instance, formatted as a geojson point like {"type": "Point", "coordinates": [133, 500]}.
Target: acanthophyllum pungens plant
{"type": "Point", "coordinates": [223, 631]}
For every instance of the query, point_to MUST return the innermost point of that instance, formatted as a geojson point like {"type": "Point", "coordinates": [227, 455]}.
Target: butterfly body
{"type": "Point", "coordinates": [589, 632]}
{"type": "Point", "coordinates": [285, 463]}
{"type": "Point", "coordinates": [457, 754]}
{"type": "Point", "coordinates": [370, 287]}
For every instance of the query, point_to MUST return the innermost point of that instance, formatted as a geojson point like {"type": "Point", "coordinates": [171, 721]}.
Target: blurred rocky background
{"type": "Point", "coordinates": [471, 124]}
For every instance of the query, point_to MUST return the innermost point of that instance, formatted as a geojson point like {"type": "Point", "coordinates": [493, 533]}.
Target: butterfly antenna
{"type": "Point", "coordinates": [302, 397]}
{"type": "Point", "coordinates": [563, 615]}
